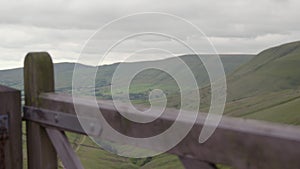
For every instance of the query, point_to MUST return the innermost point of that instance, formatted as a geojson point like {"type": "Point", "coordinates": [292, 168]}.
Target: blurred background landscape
{"type": "Point", "coordinates": [263, 86]}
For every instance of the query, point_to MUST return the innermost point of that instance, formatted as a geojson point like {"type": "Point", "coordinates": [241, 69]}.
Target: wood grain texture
{"type": "Point", "coordinates": [61, 121]}
{"type": "Point", "coordinates": [243, 144]}
{"type": "Point", "coordinates": [10, 104]}
{"type": "Point", "coordinates": [38, 78]}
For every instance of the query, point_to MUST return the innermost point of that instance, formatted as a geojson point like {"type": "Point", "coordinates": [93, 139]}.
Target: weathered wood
{"type": "Point", "coordinates": [61, 121]}
{"type": "Point", "coordinates": [243, 144]}
{"type": "Point", "coordinates": [38, 78]}
{"type": "Point", "coordinates": [10, 104]}
{"type": "Point", "coordinates": [196, 164]}
{"type": "Point", "coordinates": [64, 149]}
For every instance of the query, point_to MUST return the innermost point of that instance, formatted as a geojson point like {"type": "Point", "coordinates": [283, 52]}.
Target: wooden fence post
{"type": "Point", "coordinates": [10, 106]}
{"type": "Point", "coordinates": [38, 78]}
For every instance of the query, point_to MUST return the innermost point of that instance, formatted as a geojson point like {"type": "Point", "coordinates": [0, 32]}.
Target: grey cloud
{"type": "Point", "coordinates": [63, 26]}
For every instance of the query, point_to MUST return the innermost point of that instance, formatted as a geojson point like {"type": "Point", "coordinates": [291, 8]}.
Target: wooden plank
{"type": "Point", "coordinates": [196, 164]}
{"type": "Point", "coordinates": [38, 78]}
{"type": "Point", "coordinates": [10, 104]}
{"type": "Point", "coordinates": [64, 149]}
{"type": "Point", "coordinates": [243, 144]}
{"type": "Point", "coordinates": [61, 121]}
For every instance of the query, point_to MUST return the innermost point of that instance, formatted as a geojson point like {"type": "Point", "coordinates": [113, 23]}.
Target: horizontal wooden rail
{"type": "Point", "coordinates": [243, 144]}
{"type": "Point", "coordinates": [60, 120]}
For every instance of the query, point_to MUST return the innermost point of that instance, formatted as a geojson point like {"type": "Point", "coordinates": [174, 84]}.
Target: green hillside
{"type": "Point", "coordinates": [141, 84]}
{"type": "Point", "coordinates": [264, 87]}
{"type": "Point", "coordinates": [286, 112]}
{"type": "Point", "coordinates": [268, 83]}
{"type": "Point", "coordinates": [92, 157]}
{"type": "Point", "coordinates": [274, 69]}
{"type": "Point", "coordinates": [268, 86]}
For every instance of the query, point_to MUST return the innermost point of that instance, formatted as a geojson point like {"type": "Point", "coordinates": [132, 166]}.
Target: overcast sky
{"type": "Point", "coordinates": [62, 27]}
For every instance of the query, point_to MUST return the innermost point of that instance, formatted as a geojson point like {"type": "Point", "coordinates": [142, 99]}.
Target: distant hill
{"type": "Point", "coordinates": [150, 79]}
{"type": "Point", "coordinates": [272, 70]}
{"type": "Point", "coordinates": [257, 85]}
{"type": "Point", "coordinates": [268, 86]}
{"type": "Point", "coordinates": [64, 72]}
{"type": "Point", "coordinates": [12, 78]}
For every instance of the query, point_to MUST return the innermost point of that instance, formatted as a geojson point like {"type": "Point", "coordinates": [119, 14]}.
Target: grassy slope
{"type": "Point", "coordinates": [64, 72]}
{"type": "Point", "coordinates": [267, 87]}
{"type": "Point", "coordinates": [274, 69]}
{"type": "Point", "coordinates": [285, 112]}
